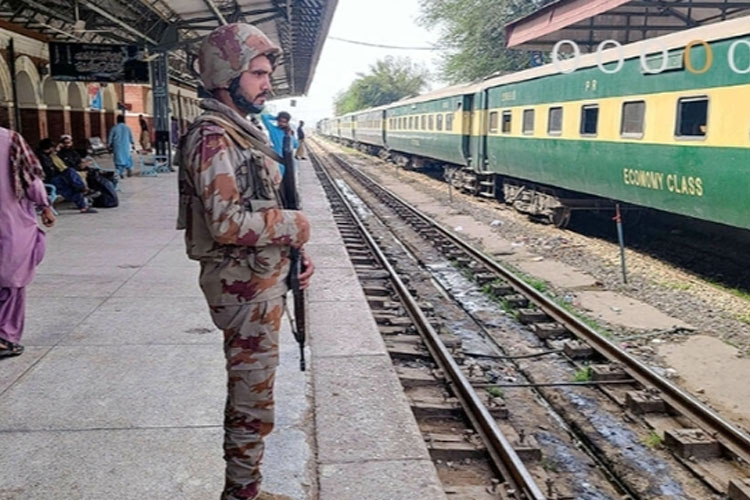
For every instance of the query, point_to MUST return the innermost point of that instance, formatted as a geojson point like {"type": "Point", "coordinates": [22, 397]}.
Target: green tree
{"type": "Point", "coordinates": [474, 31]}
{"type": "Point", "coordinates": [388, 80]}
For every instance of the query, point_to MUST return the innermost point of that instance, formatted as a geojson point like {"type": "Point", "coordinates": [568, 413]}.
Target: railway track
{"type": "Point", "coordinates": [712, 448]}
{"type": "Point", "coordinates": [361, 243]}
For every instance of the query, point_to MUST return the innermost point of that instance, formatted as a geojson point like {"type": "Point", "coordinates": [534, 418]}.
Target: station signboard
{"type": "Point", "coordinates": [89, 62]}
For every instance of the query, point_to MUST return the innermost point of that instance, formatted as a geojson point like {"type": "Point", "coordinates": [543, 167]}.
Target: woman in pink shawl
{"type": "Point", "coordinates": [21, 239]}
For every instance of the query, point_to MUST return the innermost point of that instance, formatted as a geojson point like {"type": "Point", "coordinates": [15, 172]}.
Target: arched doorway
{"type": "Point", "coordinates": [80, 128]}
{"type": "Point", "coordinates": [58, 119]}
{"type": "Point", "coordinates": [96, 116]}
{"type": "Point", "coordinates": [109, 103]}
{"type": "Point", "coordinates": [33, 112]}
{"type": "Point", "coordinates": [6, 96]}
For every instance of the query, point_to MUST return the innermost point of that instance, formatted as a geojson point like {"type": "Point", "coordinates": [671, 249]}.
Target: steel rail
{"type": "Point", "coordinates": [731, 437]}
{"type": "Point", "coordinates": [499, 448]}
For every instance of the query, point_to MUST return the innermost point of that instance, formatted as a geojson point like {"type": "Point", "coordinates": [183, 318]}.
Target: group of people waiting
{"type": "Point", "coordinates": [76, 178]}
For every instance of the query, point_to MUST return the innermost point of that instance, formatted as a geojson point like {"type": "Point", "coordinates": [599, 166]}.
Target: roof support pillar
{"type": "Point", "coordinates": [160, 91]}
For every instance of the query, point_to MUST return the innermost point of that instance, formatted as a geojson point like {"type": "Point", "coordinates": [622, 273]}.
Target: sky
{"type": "Point", "coordinates": [388, 22]}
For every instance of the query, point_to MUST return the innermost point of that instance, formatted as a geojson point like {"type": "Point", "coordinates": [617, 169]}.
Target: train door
{"type": "Point", "coordinates": [381, 117]}
{"type": "Point", "coordinates": [479, 131]}
{"type": "Point", "coordinates": [467, 112]}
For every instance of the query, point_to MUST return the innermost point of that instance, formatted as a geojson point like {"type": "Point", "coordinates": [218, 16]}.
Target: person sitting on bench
{"type": "Point", "coordinates": [67, 180]}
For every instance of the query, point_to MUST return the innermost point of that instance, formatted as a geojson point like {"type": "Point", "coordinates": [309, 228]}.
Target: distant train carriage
{"type": "Point", "coordinates": [347, 127]}
{"type": "Point", "coordinates": [429, 127]}
{"type": "Point", "coordinates": [325, 127]}
{"type": "Point", "coordinates": [369, 129]}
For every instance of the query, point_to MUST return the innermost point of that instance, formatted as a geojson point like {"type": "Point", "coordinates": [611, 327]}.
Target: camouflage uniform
{"type": "Point", "coordinates": [229, 207]}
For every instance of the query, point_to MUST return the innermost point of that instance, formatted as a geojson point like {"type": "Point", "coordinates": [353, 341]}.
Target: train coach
{"type": "Point", "coordinates": [662, 124]}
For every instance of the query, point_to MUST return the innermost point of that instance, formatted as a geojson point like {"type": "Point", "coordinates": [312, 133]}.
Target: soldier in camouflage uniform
{"type": "Point", "coordinates": [230, 209]}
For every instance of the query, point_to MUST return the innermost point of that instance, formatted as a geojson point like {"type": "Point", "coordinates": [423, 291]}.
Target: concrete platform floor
{"type": "Point", "coordinates": [120, 393]}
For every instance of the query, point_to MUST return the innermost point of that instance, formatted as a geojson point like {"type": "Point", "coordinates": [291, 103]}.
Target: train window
{"type": "Point", "coordinates": [555, 121]}
{"type": "Point", "coordinates": [431, 122]}
{"type": "Point", "coordinates": [692, 117]}
{"type": "Point", "coordinates": [424, 122]}
{"type": "Point", "coordinates": [507, 117]}
{"type": "Point", "coordinates": [449, 122]}
{"type": "Point", "coordinates": [493, 122]}
{"type": "Point", "coordinates": [633, 118]}
{"type": "Point", "coordinates": [528, 121]}
{"type": "Point", "coordinates": [440, 121]}
{"type": "Point", "coordinates": [589, 120]}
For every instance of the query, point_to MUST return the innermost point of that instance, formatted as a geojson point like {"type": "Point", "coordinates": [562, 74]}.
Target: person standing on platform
{"type": "Point", "coordinates": [235, 227]}
{"type": "Point", "coordinates": [120, 144]}
{"type": "Point", "coordinates": [277, 131]}
{"type": "Point", "coordinates": [145, 135]}
{"type": "Point", "coordinates": [21, 241]}
{"type": "Point", "coordinates": [300, 153]}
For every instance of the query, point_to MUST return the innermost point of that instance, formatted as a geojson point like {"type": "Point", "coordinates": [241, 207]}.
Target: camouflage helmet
{"type": "Point", "coordinates": [226, 53]}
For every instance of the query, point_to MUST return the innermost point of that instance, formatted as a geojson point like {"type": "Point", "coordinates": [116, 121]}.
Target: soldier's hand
{"type": "Point", "coordinates": [309, 270]}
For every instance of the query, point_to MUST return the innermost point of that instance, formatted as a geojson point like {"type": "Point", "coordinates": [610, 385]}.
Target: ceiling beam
{"type": "Point", "coordinates": [117, 21]}
{"type": "Point", "coordinates": [213, 8]}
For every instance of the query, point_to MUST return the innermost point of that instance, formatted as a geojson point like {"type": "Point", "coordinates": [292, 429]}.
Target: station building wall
{"type": "Point", "coordinates": [49, 108]}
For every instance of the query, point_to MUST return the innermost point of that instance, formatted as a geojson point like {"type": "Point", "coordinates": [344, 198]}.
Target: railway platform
{"type": "Point", "coordinates": [120, 393]}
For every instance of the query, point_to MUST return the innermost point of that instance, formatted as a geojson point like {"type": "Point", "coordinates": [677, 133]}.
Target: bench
{"type": "Point", "coordinates": [52, 196]}
{"type": "Point", "coordinates": [97, 146]}
{"type": "Point", "coordinates": [151, 165]}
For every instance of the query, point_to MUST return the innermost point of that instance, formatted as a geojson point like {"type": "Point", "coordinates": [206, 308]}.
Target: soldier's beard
{"type": "Point", "coordinates": [243, 103]}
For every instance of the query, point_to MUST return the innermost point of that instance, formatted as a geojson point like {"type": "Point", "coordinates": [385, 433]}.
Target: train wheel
{"type": "Point", "coordinates": [561, 217]}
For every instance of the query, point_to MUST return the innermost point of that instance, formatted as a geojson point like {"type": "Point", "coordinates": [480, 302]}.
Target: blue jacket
{"type": "Point", "coordinates": [277, 136]}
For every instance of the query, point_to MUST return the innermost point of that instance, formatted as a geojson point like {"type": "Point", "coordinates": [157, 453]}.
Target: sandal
{"type": "Point", "coordinates": [9, 349]}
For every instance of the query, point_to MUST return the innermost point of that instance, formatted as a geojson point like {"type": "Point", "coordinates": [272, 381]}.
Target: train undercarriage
{"type": "Point", "coordinates": [542, 203]}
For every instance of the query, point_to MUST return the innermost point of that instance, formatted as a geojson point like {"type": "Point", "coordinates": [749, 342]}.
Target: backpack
{"type": "Point", "coordinates": [105, 183]}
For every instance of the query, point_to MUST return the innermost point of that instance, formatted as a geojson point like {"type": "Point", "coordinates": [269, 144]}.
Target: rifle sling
{"type": "Point", "coordinates": [244, 140]}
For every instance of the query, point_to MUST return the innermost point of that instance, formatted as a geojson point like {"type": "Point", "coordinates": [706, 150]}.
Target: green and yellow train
{"type": "Point", "coordinates": [627, 124]}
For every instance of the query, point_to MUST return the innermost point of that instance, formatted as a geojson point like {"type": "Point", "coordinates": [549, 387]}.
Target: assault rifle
{"type": "Point", "coordinates": [291, 200]}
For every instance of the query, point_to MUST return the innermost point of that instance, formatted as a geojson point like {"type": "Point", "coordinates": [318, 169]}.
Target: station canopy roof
{"type": "Point", "coordinates": [589, 22]}
{"type": "Point", "coordinates": [298, 26]}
